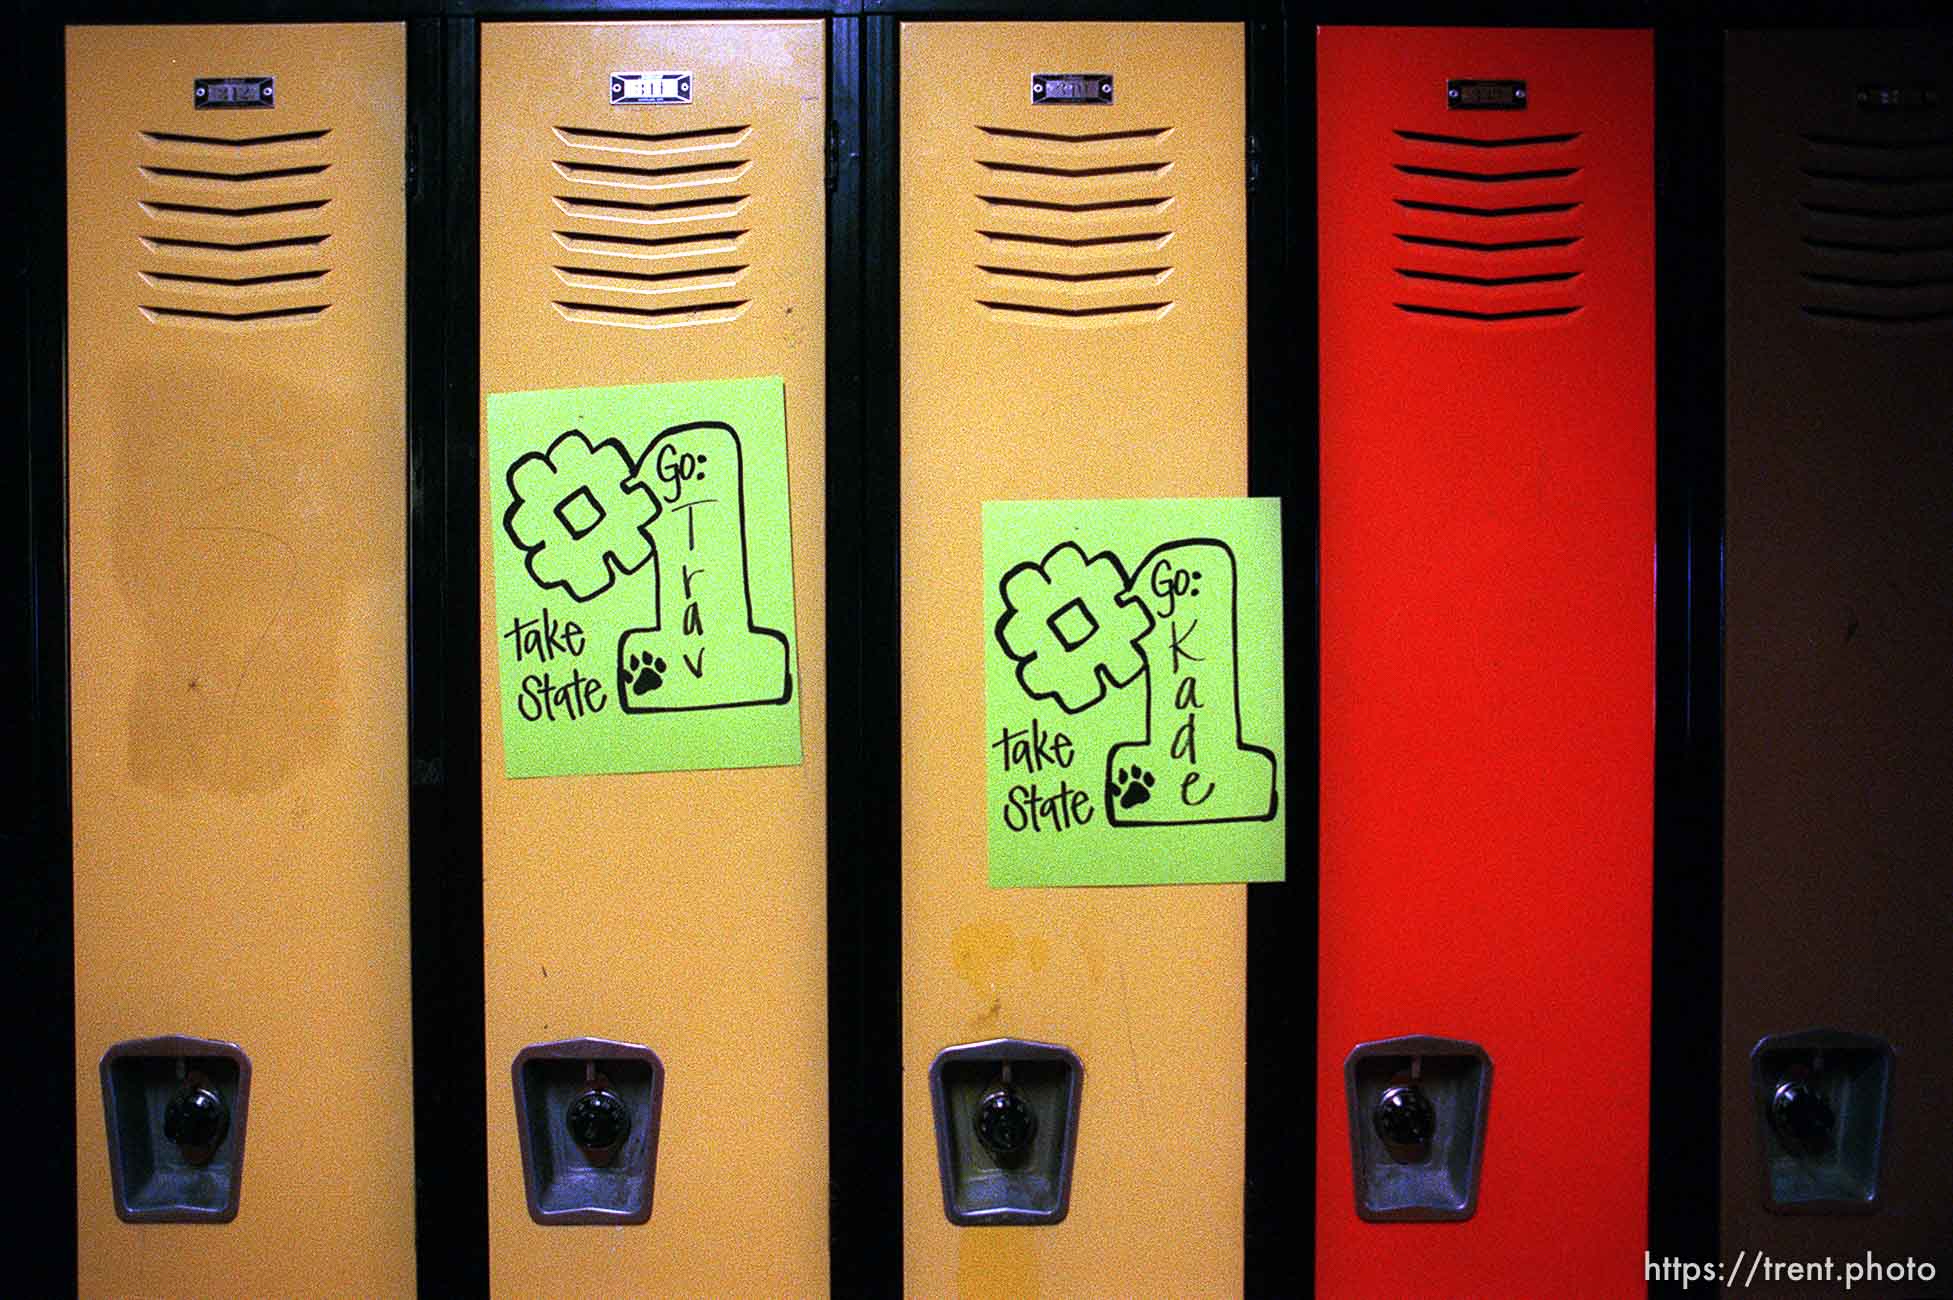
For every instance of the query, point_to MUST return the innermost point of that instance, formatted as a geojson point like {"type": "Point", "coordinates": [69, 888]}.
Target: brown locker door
{"type": "Point", "coordinates": [1839, 660]}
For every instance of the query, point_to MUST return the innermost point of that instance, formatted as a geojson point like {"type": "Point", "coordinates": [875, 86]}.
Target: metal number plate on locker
{"type": "Point", "coordinates": [233, 92]}
{"type": "Point", "coordinates": [1467, 93]}
{"type": "Point", "coordinates": [650, 88]}
{"type": "Point", "coordinates": [1071, 88]}
{"type": "Point", "coordinates": [1898, 99]}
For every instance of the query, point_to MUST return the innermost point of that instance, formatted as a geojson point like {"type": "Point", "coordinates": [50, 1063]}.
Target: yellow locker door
{"type": "Point", "coordinates": [1074, 325]}
{"type": "Point", "coordinates": [684, 911]}
{"type": "Point", "coordinates": [236, 445]}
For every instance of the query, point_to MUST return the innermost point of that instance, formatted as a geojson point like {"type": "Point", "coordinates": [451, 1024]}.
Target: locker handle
{"type": "Point", "coordinates": [197, 1120]}
{"type": "Point", "coordinates": [1804, 1119]}
{"type": "Point", "coordinates": [598, 1122]}
{"type": "Point", "coordinates": [1406, 1121]}
{"type": "Point", "coordinates": [1005, 1124]}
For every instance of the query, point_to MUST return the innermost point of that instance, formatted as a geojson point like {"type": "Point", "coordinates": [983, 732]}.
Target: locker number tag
{"type": "Point", "coordinates": [628, 88]}
{"type": "Point", "coordinates": [1071, 88]}
{"type": "Point", "coordinates": [1898, 99]}
{"type": "Point", "coordinates": [1462, 93]}
{"type": "Point", "coordinates": [233, 92]}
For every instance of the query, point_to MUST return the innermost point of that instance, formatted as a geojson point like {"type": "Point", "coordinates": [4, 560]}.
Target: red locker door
{"type": "Point", "coordinates": [1487, 547]}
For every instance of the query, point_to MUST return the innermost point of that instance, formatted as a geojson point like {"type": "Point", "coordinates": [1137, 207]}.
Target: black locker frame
{"type": "Point", "coordinates": [864, 911]}
{"type": "Point", "coordinates": [446, 927]}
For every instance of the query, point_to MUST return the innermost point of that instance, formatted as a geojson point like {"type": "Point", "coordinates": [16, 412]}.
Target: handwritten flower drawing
{"type": "Point", "coordinates": [578, 515]}
{"type": "Point", "coordinates": [1067, 628]}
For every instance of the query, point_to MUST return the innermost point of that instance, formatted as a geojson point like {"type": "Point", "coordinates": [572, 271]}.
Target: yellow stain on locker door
{"type": "Point", "coordinates": [1074, 324]}
{"type": "Point", "coordinates": [237, 524]}
{"type": "Point", "coordinates": [682, 910]}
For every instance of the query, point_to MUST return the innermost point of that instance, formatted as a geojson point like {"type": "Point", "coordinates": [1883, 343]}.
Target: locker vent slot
{"type": "Point", "coordinates": [1865, 213]}
{"type": "Point", "coordinates": [1148, 133]}
{"type": "Point", "coordinates": [598, 277]}
{"type": "Point", "coordinates": [1475, 142]}
{"type": "Point", "coordinates": [158, 206]}
{"type": "Point", "coordinates": [1116, 169]}
{"type": "Point", "coordinates": [232, 281]}
{"type": "Point", "coordinates": [657, 142]}
{"type": "Point", "coordinates": [1479, 246]}
{"type": "Point", "coordinates": [1149, 238]}
{"type": "Point", "coordinates": [1852, 143]}
{"type": "Point", "coordinates": [236, 142]}
{"type": "Point", "coordinates": [1152, 273]}
{"type": "Point", "coordinates": [1893, 249]}
{"type": "Point", "coordinates": [1487, 281]}
{"type": "Point", "coordinates": [158, 243]}
{"type": "Point", "coordinates": [1880, 318]}
{"type": "Point", "coordinates": [653, 177]}
{"type": "Point", "coordinates": [715, 241]}
{"type": "Point", "coordinates": [1466, 210]}
{"type": "Point", "coordinates": [1489, 239]}
{"type": "Point", "coordinates": [671, 210]}
{"type": "Point", "coordinates": [1525, 313]}
{"type": "Point", "coordinates": [1873, 178]}
{"type": "Point", "coordinates": [1877, 224]}
{"type": "Point", "coordinates": [234, 232]}
{"type": "Point", "coordinates": [1071, 227]}
{"type": "Point", "coordinates": [1487, 178]}
{"type": "Point", "coordinates": [656, 223]}
{"type": "Point", "coordinates": [234, 317]}
{"type": "Point", "coordinates": [236, 178]}
{"type": "Point", "coordinates": [1103, 205]}
{"type": "Point", "coordinates": [694, 313]}
{"type": "Point", "coordinates": [1153, 309]}
{"type": "Point", "coordinates": [1869, 282]}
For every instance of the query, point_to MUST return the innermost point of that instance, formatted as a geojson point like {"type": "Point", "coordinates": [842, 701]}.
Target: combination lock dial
{"type": "Point", "coordinates": [598, 1122]}
{"type": "Point", "coordinates": [197, 1120]}
{"type": "Point", "coordinates": [1404, 1118]}
{"type": "Point", "coordinates": [1803, 1118]}
{"type": "Point", "coordinates": [1005, 1124]}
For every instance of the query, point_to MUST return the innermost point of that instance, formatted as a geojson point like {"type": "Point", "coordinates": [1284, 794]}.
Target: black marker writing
{"type": "Point", "coordinates": [544, 638]}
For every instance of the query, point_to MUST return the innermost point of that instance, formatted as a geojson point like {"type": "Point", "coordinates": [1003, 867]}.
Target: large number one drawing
{"type": "Point", "coordinates": [585, 514]}
{"type": "Point", "coordinates": [1076, 627]}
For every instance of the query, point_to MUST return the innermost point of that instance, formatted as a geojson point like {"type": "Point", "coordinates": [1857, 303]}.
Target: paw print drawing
{"type": "Point", "coordinates": [647, 672]}
{"type": "Point", "coordinates": [1132, 786]}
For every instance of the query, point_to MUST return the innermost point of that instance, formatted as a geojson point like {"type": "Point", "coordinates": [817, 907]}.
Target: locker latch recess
{"type": "Point", "coordinates": [1006, 1130]}
{"type": "Point", "coordinates": [1822, 1099]}
{"type": "Point", "coordinates": [176, 1107]}
{"type": "Point", "coordinates": [1417, 1112]}
{"type": "Point", "coordinates": [587, 1113]}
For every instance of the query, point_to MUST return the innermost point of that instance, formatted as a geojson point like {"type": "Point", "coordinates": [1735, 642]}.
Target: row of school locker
{"type": "Point", "coordinates": [1073, 325]}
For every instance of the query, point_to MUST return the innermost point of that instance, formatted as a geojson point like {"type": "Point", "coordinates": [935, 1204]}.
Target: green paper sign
{"type": "Point", "coordinates": [1133, 665]}
{"type": "Point", "coordinates": [643, 577]}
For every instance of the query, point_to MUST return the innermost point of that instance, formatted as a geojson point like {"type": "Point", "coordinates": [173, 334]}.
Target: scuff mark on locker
{"type": "Point", "coordinates": [235, 574]}
{"type": "Point", "coordinates": [979, 951]}
{"type": "Point", "coordinates": [1092, 946]}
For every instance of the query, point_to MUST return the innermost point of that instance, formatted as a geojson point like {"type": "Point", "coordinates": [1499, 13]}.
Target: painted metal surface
{"type": "Point", "coordinates": [1020, 383]}
{"type": "Point", "coordinates": [236, 451]}
{"type": "Point", "coordinates": [684, 911]}
{"type": "Point", "coordinates": [1487, 606]}
{"type": "Point", "coordinates": [1837, 899]}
